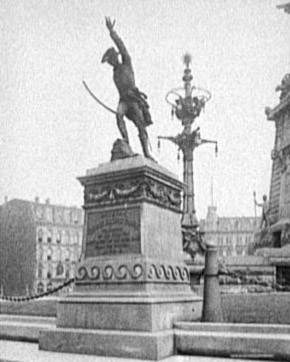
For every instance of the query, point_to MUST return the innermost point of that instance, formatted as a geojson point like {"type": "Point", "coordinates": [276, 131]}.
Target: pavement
{"type": "Point", "coordinates": [19, 343]}
{"type": "Point", "coordinates": [11, 351]}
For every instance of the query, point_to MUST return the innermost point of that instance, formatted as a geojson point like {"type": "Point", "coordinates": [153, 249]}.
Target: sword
{"type": "Point", "coordinates": [97, 99]}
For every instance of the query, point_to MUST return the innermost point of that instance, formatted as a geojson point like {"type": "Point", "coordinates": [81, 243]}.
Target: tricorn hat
{"type": "Point", "coordinates": [108, 55]}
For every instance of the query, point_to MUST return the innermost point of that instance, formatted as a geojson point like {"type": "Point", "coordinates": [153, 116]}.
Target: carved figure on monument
{"type": "Point", "coordinates": [277, 153]}
{"type": "Point", "coordinates": [192, 242]}
{"type": "Point", "coordinates": [133, 103]}
{"type": "Point", "coordinates": [284, 87]}
{"type": "Point", "coordinates": [265, 211]}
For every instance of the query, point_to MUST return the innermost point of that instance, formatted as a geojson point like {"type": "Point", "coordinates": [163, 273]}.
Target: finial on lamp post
{"type": "Point", "coordinates": [187, 59]}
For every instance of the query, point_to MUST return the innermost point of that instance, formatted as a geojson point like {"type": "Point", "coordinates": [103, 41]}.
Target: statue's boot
{"type": "Point", "coordinates": [144, 143]}
{"type": "Point", "coordinates": [122, 128]}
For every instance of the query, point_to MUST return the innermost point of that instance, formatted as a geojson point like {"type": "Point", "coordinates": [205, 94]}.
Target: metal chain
{"type": "Point", "coordinates": [40, 295]}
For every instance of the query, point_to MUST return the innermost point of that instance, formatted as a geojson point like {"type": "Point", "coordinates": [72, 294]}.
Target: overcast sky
{"type": "Point", "coordinates": [51, 130]}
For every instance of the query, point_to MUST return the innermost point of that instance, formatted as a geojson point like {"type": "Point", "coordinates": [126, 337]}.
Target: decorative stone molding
{"type": "Point", "coordinates": [136, 190]}
{"type": "Point", "coordinates": [167, 272]}
{"type": "Point", "coordinates": [130, 272]}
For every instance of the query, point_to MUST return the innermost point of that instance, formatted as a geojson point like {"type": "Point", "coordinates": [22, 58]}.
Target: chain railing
{"type": "Point", "coordinates": [38, 295]}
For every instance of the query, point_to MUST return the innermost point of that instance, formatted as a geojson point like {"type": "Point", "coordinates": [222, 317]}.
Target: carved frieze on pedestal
{"type": "Point", "coordinates": [139, 189]}
{"type": "Point", "coordinates": [121, 271]}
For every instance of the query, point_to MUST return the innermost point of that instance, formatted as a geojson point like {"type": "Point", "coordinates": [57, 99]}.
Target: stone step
{"type": "Point", "coordinates": [229, 343]}
{"type": "Point", "coordinates": [27, 319]}
{"type": "Point", "coordinates": [24, 328]}
{"type": "Point", "coordinates": [234, 327]}
{"type": "Point", "coordinates": [108, 343]}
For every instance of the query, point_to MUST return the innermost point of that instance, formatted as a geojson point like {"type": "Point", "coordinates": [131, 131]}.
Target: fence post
{"type": "Point", "coordinates": [212, 311]}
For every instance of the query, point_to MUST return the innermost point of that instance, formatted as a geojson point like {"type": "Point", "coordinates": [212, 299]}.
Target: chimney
{"type": "Point", "coordinates": [36, 200]}
{"type": "Point", "coordinates": [5, 199]}
{"type": "Point", "coordinates": [47, 201]}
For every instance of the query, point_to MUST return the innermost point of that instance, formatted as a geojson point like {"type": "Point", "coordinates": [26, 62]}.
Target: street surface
{"type": "Point", "coordinates": [11, 351]}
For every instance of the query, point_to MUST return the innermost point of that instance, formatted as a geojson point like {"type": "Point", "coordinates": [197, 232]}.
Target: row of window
{"type": "Point", "coordinates": [49, 286]}
{"type": "Point", "coordinates": [66, 237]}
{"type": "Point", "coordinates": [237, 225]}
{"type": "Point", "coordinates": [56, 254]}
{"type": "Point", "coordinates": [59, 215]}
{"type": "Point", "coordinates": [239, 240]}
{"type": "Point", "coordinates": [231, 252]}
{"type": "Point", "coordinates": [58, 271]}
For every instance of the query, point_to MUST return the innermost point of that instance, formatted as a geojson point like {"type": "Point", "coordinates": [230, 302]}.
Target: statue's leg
{"type": "Point", "coordinates": [143, 135]}
{"type": "Point", "coordinates": [121, 110]}
{"type": "Point", "coordinates": [136, 115]}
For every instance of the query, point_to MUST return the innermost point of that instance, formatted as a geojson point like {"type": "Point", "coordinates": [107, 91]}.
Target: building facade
{"type": "Point", "coordinates": [40, 244]}
{"type": "Point", "coordinates": [234, 236]}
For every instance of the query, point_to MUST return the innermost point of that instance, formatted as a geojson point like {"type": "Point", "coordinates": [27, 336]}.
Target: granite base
{"type": "Point", "coordinates": [131, 313]}
{"type": "Point", "coordinates": [124, 344]}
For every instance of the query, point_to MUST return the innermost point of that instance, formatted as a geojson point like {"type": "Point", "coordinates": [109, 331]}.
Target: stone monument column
{"type": "Point", "coordinates": [131, 283]}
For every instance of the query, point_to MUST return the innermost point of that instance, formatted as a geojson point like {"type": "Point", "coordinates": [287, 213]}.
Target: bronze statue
{"type": "Point", "coordinates": [132, 103]}
{"type": "Point", "coordinates": [265, 211]}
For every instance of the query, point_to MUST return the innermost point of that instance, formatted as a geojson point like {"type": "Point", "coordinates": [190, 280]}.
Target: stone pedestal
{"type": "Point", "coordinates": [131, 283]}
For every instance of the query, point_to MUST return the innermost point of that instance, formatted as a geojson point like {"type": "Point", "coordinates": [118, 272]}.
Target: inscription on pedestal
{"type": "Point", "coordinates": [111, 232]}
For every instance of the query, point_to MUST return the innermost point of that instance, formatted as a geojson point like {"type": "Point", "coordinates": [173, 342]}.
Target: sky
{"type": "Point", "coordinates": [52, 131]}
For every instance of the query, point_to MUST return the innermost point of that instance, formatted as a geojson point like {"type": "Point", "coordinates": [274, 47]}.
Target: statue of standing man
{"type": "Point", "coordinates": [265, 211]}
{"type": "Point", "coordinates": [132, 103]}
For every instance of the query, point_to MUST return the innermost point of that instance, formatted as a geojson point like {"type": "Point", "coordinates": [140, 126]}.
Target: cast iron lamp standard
{"type": "Point", "coordinates": [187, 103]}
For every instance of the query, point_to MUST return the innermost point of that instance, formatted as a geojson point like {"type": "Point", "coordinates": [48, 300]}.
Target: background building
{"type": "Point", "coordinates": [39, 245]}
{"type": "Point", "coordinates": [232, 235]}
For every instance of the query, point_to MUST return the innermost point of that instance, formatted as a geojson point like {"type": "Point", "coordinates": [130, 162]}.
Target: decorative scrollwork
{"type": "Point", "coordinates": [175, 273]}
{"type": "Point", "coordinates": [185, 274]}
{"type": "Point", "coordinates": [108, 272]}
{"type": "Point", "coordinates": [82, 273]}
{"type": "Point", "coordinates": [167, 273]}
{"type": "Point", "coordinates": [122, 272]}
{"type": "Point", "coordinates": [95, 272]}
{"type": "Point", "coordinates": [137, 271]}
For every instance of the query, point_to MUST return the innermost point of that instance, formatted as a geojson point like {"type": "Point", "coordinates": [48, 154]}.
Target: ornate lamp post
{"type": "Point", "coordinates": [187, 103]}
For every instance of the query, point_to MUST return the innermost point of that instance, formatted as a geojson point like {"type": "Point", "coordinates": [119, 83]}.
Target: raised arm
{"type": "Point", "coordinates": [118, 41]}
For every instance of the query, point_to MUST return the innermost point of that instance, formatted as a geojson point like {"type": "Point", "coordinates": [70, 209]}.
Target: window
{"type": "Point", "coordinates": [73, 238]}
{"type": "Point", "coordinates": [49, 236]}
{"type": "Point", "coordinates": [67, 274]}
{"type": "Point", "coordinates": [66, 254]}
{"type": "Point", "coordinates": [49, 254]}
{"type": "Point", "coordinates": [40, 235]}
{"type": "Point", "coordinates": [49, 275]}
{"type": "Point", "coordinates": [49, 286]}
{"type": "Point", "coordinates": [58, 254]}
{"type": "Point", "coordinates": [228, 252]}
{"type": "Point", "coordinates": [78, 238]}
{"type": "Point", "coordinates": [59, 269]}
{"type": "Point", "coordinates": [39, 253]}
{"type": "Point", "coordinates": [58, 238]}
{"type": "Point", "coordinates": [40, 288]}
{"type": "Point", "coordinates": [67, 236]}
{"type": "Point", "coordinates": [39, 270]}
